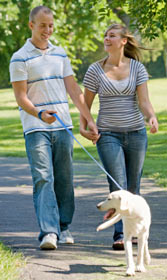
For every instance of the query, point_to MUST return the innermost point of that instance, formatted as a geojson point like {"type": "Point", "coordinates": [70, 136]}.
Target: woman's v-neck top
{"type": "Point", "coordinates": [118, 110]}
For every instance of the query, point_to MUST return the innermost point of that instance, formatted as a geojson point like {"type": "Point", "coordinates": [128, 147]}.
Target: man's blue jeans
{"type": "Point", "coordinates": [122, 155]}
{"type": "Point", "coordinates": [50, 158]}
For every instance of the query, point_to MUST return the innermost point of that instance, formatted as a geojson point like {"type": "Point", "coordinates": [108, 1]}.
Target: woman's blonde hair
{"type": "Point", "coordinates": [131, 49]}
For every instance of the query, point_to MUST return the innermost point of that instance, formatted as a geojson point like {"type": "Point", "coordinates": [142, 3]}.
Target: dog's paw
{"type": "Point", "coordinates": [140, 268]}
{"type": "Point", "coordinates": [98, 228]}
{"type": "Point", "coordinates": [130, 271]}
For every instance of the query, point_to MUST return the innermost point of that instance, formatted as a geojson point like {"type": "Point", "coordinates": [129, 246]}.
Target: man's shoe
{"type": "Point", "coordinates": [66, 237]}
{"type": "Point", "coordinates": [49, 242]}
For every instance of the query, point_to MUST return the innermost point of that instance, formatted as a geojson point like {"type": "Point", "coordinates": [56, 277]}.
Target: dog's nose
{"type": "Point", "coordinates": [98, 206]}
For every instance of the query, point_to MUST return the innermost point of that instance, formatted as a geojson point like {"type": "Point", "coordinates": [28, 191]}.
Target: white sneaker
{"type": "Point", "coordinates": [49, 242]}
{"type": "Point", "coordinates": [66, 237]}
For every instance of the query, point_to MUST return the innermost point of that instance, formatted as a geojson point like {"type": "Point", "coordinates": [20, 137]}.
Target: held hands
{"type": "Point", "coordinates": [153, 124]}
{"type": "Point", "coordinates": [90, 134]}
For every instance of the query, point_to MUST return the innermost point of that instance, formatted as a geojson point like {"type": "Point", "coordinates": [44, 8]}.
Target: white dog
{"type": "Point", "coordinates": [135, 214]}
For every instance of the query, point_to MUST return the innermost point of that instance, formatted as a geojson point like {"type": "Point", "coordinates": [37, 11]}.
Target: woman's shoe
{"type": "Point", "coordinates": [118, 245]}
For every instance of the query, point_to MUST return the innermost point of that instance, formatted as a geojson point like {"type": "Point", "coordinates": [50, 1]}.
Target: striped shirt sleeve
{"type": "Point", "coordinates": [67, 69]}
{"type": "Point", "coordinates": [17, 69]}
{"type": "Point", "coordinates": [90, 80]}
{"type": "Point", "coordinates": [142, 75]}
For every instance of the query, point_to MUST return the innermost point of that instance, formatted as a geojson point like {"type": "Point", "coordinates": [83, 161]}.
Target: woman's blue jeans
{"type": "Point", "coordinates": [50, 158]}
{"type": "Point", "coordinates": [122, 155]}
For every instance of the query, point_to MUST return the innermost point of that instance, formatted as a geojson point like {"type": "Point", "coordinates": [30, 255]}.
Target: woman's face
{"type": "Point", "coordinates": [113, 40]}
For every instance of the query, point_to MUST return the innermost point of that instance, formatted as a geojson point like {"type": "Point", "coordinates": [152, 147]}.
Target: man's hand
{"type": "Point", "coordinates": [47, 116]}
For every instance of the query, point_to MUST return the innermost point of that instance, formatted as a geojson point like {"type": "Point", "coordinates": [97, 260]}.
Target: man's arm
{"type": "Point", "coordinates": [89, 97]}
{"type": "Point", "coordinates": [20, 91]}
{"type": "Point", "coordinates": [78, 99]}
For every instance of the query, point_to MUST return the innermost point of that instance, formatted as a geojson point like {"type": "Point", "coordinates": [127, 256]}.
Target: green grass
{"type": "Point", "coordinates": [12, 144]}
{"type": "Point", "coordinates": [12, 141]}
{"type": "Point", "coordinates": [10, 264]}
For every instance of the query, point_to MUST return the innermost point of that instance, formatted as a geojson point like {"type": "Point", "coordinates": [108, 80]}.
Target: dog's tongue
{"type": "Point", "coordinates": [109, 214]}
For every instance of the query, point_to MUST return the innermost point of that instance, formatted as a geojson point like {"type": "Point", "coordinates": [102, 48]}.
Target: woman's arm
{"type": "Point", "coordinates": [146, 107]}
{"type": "Point", "coordinates": [89, 97]}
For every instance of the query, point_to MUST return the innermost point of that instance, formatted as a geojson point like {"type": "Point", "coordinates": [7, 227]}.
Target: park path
{"type": "Point", "coordinates": [91, 257]}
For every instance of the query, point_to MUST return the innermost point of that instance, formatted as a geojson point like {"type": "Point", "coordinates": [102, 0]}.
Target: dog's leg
{"type": "Point", "coordinates": [129, 256]}
{"type": "Point", "coordinates": [147, 258]}
{"type": "Point", "coordinates": [109, 222]}
{"type": "Point", "coordinates": [140, 257]}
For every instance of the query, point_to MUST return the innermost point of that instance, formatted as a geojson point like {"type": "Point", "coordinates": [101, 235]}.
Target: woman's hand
{"type": "Point", "coordinates": [146, 107]}
{"type": "Point", "coordinates": [153, 124]}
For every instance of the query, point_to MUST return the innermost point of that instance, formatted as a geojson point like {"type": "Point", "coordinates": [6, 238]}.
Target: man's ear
{"type": "Point", "coordinates": [30, 25]}
{"type": "Point", "coordinates": [123, 203]}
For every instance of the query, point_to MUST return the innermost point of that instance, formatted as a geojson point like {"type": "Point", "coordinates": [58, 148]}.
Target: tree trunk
{"type": "Point", "coordinates": [165, 53]}
{"type": "Point", "coordinates": [122, 16]}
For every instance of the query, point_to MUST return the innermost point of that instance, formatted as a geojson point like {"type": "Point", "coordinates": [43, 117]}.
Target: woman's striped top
{"type": "Point", "coordinates": [118, 110]}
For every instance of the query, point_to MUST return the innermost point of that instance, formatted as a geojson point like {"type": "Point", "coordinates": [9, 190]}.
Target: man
{"type": "Point", "coordinates": [41, 74]}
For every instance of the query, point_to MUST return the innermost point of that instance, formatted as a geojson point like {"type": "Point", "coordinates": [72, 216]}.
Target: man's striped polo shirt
{"type": "Point", "coordinates": [44, 73]}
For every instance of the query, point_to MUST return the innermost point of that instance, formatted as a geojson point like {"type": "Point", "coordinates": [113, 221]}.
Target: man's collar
{"type": "Point", "coordinates": [30, 47]}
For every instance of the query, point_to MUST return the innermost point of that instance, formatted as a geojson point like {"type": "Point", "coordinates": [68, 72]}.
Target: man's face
{"type": "Point", "coordinates": [41, 27]}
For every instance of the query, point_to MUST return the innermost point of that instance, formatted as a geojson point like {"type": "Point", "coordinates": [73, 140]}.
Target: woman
{"type": "Point", "coordinates": [120, 80]}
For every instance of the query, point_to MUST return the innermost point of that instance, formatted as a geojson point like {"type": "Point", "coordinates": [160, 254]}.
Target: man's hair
{"type": "Point", "coordinates": [37, 9]}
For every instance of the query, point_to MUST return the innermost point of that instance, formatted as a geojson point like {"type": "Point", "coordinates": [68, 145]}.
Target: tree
{"type": "Point", "coordinates": [149, 16]}
{"type": "Point", "coordinates": [164, 36]}
{"type": "Point", "coordinates": [76, 25]}
{"type": "Point", "coordinates": [79, 24]}
{"type": "Point", "coordinates": [13, 30]}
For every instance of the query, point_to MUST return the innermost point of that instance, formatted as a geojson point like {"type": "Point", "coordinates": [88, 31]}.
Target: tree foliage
{"type": "Point", "coordinates": [14, 31]}
{"type": "Point", "coordinates": [76, 25]}
{"type": "Point", "coordinates": [79, 24]}
{"type": "Point", "coordinates": [149, 17]}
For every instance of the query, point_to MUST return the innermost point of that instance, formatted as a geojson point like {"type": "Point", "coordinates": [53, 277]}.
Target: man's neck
{"type": "Point", "coordinates": [40, 46]}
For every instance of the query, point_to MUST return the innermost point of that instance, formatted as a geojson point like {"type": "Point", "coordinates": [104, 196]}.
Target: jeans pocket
{"type": "Point", "coordinates": [141, 131]}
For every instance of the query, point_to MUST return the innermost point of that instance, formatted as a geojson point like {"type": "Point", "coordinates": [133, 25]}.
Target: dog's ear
{"type": "Point", "coordinates": [123, 203]}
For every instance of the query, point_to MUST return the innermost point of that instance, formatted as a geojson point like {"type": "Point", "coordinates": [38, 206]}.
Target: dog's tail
{"type": "Point", "coordinates": [109, 223]}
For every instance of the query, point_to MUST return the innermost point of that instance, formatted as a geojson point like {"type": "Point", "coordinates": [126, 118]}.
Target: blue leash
{"type": "Point", "coordinates": [102, 168]}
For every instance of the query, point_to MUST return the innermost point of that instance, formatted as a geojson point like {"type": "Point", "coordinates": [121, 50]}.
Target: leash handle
{"type": "Point", "coordinates": [102, 168]}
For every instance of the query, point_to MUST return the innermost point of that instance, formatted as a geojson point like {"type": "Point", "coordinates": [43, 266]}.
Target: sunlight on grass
{"type": "Point", "coordinates": [158, 94]}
